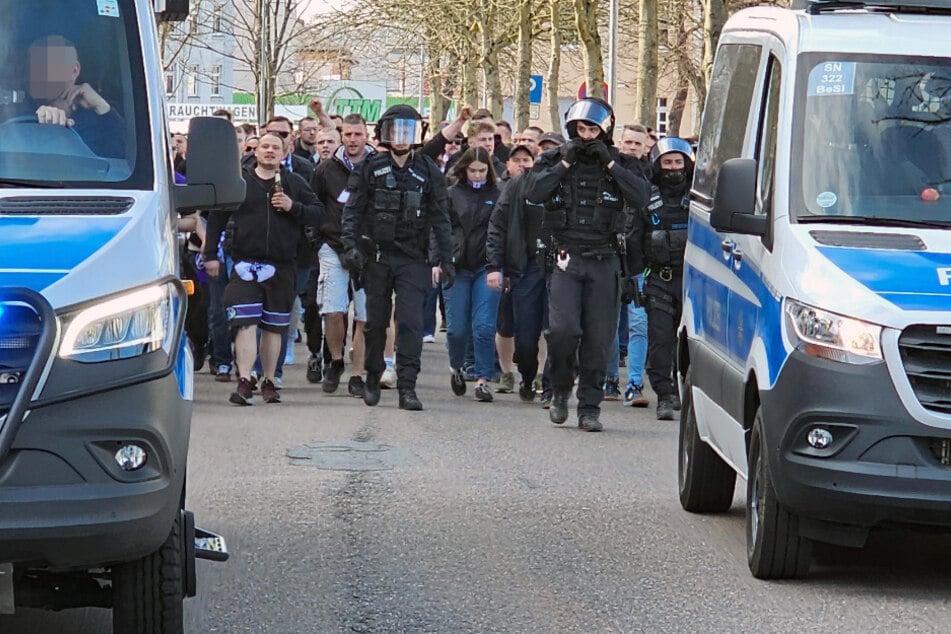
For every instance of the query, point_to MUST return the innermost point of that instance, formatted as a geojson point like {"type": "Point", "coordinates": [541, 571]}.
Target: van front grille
{"type": "Point", "coordinates": [926, 356]}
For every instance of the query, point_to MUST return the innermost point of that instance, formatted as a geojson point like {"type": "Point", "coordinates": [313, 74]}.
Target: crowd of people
{"type": "Point", "coordinates": [554, 261]}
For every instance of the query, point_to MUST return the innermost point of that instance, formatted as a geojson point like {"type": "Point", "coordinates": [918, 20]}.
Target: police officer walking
{"type": "Point", "coordinates": [660, 237]}
{"type": "Point", "coordinates": [584, 186]}
{"type": "Point", "coordinates": [394, 200]}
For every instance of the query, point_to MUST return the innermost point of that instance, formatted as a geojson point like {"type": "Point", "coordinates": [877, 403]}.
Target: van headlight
{"type": "Point", "coordinates": [820, 333]}
{"type": "Point", "coordinates": [127, 326]}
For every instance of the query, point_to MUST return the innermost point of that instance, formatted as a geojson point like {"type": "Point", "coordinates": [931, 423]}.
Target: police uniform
{"type": "Point", "coordinates": [661, 239]}
{"type": "Point", "coordinates": [396, 208]}
{"type": "Point", "coordinates": [584, 212]}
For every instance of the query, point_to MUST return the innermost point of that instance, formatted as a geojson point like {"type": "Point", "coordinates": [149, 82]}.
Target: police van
{"type": "Point", "coordinates": [95, 374]}
{"type": "Point", "coordinates": [815, 345]}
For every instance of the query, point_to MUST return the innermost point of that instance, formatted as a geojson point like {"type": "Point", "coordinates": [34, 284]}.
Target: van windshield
{"type": "Point", "coordinates": [73, 108]}
{"type": "Point", "coordinates": [873, 138]}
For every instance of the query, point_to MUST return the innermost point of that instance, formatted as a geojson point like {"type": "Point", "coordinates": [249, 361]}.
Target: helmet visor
{"type": "Point", "coordinates": [672, 144]}
{"type": "Point", "coordinates": [590, 111]}
{"type": "Point", "coordinates": [402, 132]}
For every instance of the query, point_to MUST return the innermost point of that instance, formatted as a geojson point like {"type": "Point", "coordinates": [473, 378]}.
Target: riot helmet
{"type": "Point", "coordinates": [673, 178]}
{"type": "Point", "coordinates": [400, 125]}
{"type": "Point", "coordinates": [592, 111]}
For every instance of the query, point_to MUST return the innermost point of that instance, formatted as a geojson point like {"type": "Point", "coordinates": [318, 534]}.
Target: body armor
{"type": "Point", "coordinates": [665, 235]}
{"type": "Point", "coordinates": [587, 208]}
{"type": "Point", "coordinates": [396, 198]}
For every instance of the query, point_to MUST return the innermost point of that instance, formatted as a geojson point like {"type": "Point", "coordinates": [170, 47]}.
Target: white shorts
{"type": "Point", "coordinates": [333, 287]}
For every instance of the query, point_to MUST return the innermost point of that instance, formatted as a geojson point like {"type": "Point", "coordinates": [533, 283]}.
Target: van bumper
{"type": "Point", "coordinates": [882, 468]}
{"type": "Point", "coordinates": [65, 503]}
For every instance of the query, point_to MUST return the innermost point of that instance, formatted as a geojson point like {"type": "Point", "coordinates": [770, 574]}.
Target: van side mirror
{"type": "Point", "coordinates": [171, 10]}
{"type": "Point", "coordinates": [214, 171]}
{"type": "Point", "coordinates": [735, 200]}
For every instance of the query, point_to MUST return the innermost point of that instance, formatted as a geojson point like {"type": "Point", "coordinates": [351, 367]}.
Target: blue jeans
{"type": "Point", "coordinates": [218, 326]}
{"type": "Point", "coordinates": [637, 341]}
{"type": "Point", "coordinates": [471, 310]}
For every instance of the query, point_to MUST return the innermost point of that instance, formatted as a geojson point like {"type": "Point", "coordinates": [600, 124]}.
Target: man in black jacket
{"type": "Point", "coordinates": [268, 227]}
{"type": "Point", "coordinates": [584, 187]}
{"type": "Point", "coordinates": [395, 198]}
{"type": "Point", "coordinates": [333, 285]}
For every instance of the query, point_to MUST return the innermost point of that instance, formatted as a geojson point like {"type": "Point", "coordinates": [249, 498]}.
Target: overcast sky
{"type": "Point", "coordinates": [314, 7]}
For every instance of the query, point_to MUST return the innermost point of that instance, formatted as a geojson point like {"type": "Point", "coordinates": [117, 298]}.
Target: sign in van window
{"type": "Point", "coordinates": [832, 78]}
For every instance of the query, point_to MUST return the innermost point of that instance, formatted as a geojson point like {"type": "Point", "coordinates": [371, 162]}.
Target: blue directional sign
{"type": "Point", "coordinates": [535, 89]}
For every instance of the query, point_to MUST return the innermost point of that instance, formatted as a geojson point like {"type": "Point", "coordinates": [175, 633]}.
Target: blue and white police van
{"type": "Point", "coordinates": [95, 374]}
{"type": "Point", "coordinates": [815, 345]}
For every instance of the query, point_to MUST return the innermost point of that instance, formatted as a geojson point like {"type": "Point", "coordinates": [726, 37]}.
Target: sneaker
{"type": "Point", "coordinates": [243, 394]}
{"type": "Point", "coordinates": [546, 399]}
{"type": "Point", "coordinates": [409, 401]}
{"type": "Point", "coordinates": [611, 391]}
{"type": "Point", "coordinates": [332, 377]}
{"type": "Point", "coordinates": [254, 381]}
{"type": "Point", "coordinates": [278, 383]}
{"type": "Point", "coordinates": [675, 402]}
{"type": "Point", "coordinates": [558, 412]}
{"type": "Point", "coordinates": [506, 383]}
{"type": "Point", "coordinates": [355, 386]}
{"type": "Point", "coordinates": [470, 373]}
{"type": "Point", "coordinates": [457, 381]}
{"type": "Point", "coordinates": [388, 380]}
{"type": "Point", "coordinates": [537, 384]}
{"type": "Point", "coordinates": [665, 408]}
{"type": "Point", "coordinates": [429, 339]}
{"type": "Point", "coordinates": [589, 422]}
{"type": "Point", "coordinates": [223, 375]}
{"type": "Point", "coordinates": [526, 392]}
{"type": "Point", "coordinates": [289, 355]}
{"type": "Point", "coordinates": [634, 397]}
{"type": "Point", "coordinates": [483, 393]}
{"type": "Point", "coordinates": [314, 373]}
{"type": "Point", "coordinates": [371, 390]}
{"type": "Point", "coordinates": [269, 392]}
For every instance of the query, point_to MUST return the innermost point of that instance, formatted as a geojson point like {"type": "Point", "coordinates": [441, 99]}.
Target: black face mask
{"type": "Point", "coordinates": [400, 152]}
{"type": "Point", "coordinates": [672, 178]}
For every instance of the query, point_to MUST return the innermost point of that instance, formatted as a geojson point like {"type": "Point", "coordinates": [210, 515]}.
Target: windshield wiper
{"type": "Point", "coordinates": [874, 221]}
{"type": "Point", "coordinates": [20, 182]}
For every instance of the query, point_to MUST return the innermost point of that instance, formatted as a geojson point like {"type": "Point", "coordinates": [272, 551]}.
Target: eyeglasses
{"type": "Point", "coordinates": [279, 133]}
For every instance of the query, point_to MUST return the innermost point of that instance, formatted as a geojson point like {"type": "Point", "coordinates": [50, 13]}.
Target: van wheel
{"type": "Point", "coordinates": [705, 481]}
{"type": "Point", "coordinates": [147, 593]}
{"type": "Point", "coordinates": [774, 548]}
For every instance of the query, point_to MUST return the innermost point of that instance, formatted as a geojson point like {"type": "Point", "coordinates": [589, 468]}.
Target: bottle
{"type": "Point", "coordinates": [278, 188]}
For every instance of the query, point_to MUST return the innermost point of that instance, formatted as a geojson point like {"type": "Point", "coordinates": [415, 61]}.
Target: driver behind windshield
{"type": "Point", "coordinates": [54, 67]}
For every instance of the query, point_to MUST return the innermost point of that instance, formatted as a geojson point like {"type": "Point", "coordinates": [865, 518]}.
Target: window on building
{"type": "Point", "coordinates": [169, 83]}
{"type": "Point", "coordinates": [217, 21]}
{"type": "Point", "coordinates": [215, 80]}
{"type": "Point", "coordinates": [191, 81]}
{"type": "Point", "coordinates": [661, 126]}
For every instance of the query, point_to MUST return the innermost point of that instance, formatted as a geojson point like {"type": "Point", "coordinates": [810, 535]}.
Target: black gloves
{"type": "Point", "coordinates": [448, 277]}
{"type": "Point", "coordinates": [571, 150]}
{"type": "Point", "coordinates": [353, 260]}
{"type": "Point", "coordinates": [598, 149]}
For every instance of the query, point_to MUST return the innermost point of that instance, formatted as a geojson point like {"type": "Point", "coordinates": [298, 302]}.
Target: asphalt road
{"type": "Point", "coordinates": [473, 517]}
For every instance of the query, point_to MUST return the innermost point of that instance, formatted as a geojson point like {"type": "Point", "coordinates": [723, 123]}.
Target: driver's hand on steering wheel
{"type": "Point", "coordinates": [53, 116]}
{"type": "Point", "coordinates": [81, 96]}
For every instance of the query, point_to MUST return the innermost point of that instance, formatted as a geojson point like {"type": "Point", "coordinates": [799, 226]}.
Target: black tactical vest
{"type": "Point", "coordinates": [665, 231]}
{"type": "Point", "coordinates": [587, 208]}
{"type": "Point", "coordinates": [396, 201]}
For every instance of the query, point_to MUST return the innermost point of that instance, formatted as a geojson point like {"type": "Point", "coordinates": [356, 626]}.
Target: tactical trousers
{"type": "Point", "coordinates": [583, 304]}
{"type": "Point", "coordinates": [412, 281]}
{"type": "Point", "coordinates": [530, 312]}
{"type": "Point", "coordinates": [664, 306]}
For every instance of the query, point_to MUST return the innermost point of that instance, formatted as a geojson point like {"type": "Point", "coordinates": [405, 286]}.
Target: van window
{"type": "Point", "coordinates": [873, 137]}
{"type": "Point", "coordinates": [726, 113]}
{"type": "Point", "coordinates": [77, 64]}
{"type": "Point", "coordinates": [766, 145]}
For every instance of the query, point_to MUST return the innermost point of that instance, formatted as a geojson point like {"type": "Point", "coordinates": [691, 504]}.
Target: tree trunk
{"type": "Point", "coordinates": [645, 109]}
{"type": "Point", "coordinates": [468, 74]}
{"type": "Point", "coordinates": [437, 105]}
{"type": "Point", "coordinates": [586, 18]}
{"type": "Point", "coordinates": [493, 84]}
{"type": "Point", "coordinates": [675, 115]}
{"type": "Point", "coordinates": [523, 72]}
{"type": "Point", "coordinates": [554, 67]}
{"type": "Point", "coordinates": [714, 16]}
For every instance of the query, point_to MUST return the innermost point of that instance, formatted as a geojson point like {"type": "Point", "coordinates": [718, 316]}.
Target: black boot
{"type": "Point", "coordinates": [332, 376]}
{"type": "Point", "coordinates": [558, 413]}
{"type": "Point", "coordinates": [665, 408]}
{"type": "Point", "coordinates": [589, 422]}
{"type": "Point", "coordinates": [409, 401]}
{"type": "Point", "coordinates": [371, 389]}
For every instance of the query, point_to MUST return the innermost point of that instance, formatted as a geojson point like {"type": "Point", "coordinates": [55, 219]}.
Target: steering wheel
{"type": "Point", "coordinates": [66, 140]}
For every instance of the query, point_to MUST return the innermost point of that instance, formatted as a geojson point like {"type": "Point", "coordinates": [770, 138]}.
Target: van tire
{"type": "Point", "coordinates": [147, 594]}
{"type": "Point", "coordinates": [705, 482]}
{"type": "Point", "coordinates": [774, 548]}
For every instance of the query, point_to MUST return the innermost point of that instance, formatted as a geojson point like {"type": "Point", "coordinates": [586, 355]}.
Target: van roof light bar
{"type": "Point", "coordinates": [891, 6]}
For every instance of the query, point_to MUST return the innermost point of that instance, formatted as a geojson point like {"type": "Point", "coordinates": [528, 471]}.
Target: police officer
{"type": "Point", "coordinates": [394, 200]}
{"type": "Point", "coordinates": [584, 186]}
{"type": "Point", "coordinates": [660, 237]}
